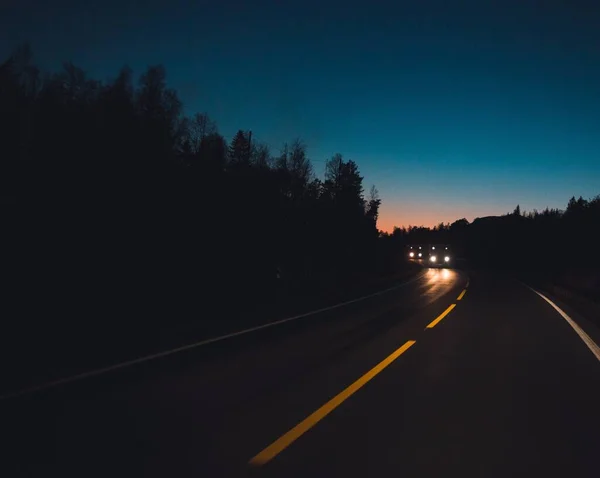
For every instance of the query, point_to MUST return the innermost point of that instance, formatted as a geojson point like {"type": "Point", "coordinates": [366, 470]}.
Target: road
{"type": "Point", "coordinates": [447, 375]}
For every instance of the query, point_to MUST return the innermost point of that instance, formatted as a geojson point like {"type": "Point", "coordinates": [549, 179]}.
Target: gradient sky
{"type": "Point", "coordinates": [451, 111]}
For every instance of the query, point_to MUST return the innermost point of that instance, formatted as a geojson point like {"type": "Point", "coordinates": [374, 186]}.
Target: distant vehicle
{"type": "Point", "coordinates": [439, 255]}
{"type": "Point", "coordinates": [417, 253]}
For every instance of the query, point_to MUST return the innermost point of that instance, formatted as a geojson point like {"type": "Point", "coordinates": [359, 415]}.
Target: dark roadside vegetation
{"type": "Point", "coordinates": [130, 227]}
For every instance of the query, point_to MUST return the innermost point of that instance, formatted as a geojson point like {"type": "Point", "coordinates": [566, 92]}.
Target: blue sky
{"type": "Point", "coordinates": [451, 111]}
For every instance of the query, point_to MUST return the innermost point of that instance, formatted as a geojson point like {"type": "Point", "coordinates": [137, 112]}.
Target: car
{"type": "Point", "coordinates": [417, 253]}
{"type": "Point", "coordinates": [439, 255]}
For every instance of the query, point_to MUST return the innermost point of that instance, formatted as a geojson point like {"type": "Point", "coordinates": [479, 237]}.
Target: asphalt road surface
{"type": "Point", "coordinates": [448, 375]}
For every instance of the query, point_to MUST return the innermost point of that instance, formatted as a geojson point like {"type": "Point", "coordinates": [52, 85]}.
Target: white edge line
{"type": "Point", "coordinates": [146, 358]}
{"type": "Point", "coordinates": [585, 337]}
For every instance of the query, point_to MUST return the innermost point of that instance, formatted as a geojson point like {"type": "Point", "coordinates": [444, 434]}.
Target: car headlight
{"type": "Point", "coordinates": [412, 254]}
{"type": "Point", "coordinates": [433, 258]}
{"type": "Point", "coordinates": [420, 255]}
{"type": "Point", "coordinates": [447, 259]}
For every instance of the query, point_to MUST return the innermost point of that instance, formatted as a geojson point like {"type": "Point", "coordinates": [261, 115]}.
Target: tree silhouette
{"type": "Point", "coordinates": [261, 156]}
{"type": "Point", "coordinates": [239, 150]}
{"type": "Point", "coordinates": [517, 211]}
{"type": "Point", "coordinates": [143, 215]}
{"type": "Point", "coordinates": [200, 126]}
{"type": "Point", "coordinates": [374, 201]}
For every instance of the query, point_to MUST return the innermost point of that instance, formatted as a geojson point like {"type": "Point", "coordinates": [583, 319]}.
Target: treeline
{"type": "Point", "coordinates": [558, 245]}
{"type": "Point", "coordinates": [110, 191]}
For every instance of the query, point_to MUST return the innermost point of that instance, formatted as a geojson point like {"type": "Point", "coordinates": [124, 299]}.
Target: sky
{"type": "Point", "coordinates": [452, 109]}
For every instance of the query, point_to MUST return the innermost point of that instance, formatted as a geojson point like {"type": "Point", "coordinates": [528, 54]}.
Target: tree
{"type": "Point", "coordinates": [281, 162]}
{"type": "Point", "coordinates": [261, 155]}
{"type": "Point", "coordinates": [239, 149]}
{"type": "Point", "coordinates": [372, 210]}
{"type": "Point", "coordinates": [159, 110]}
{"type": "Point", "coordinates": [517, 211]}
{"type": "Point", "coordinates": [343, 182]}
{"type": "Point", "coordinates": [213, 151]}
{"type": "Point", "coordinates": [460, 223]}
{"type": "Point", "coordinates": [300, 169]}
{"type": "Point", "coordinates": [575, 207]}
{"type": "Point", "coordinates": [333, 169]}
{"type": "Point", "coordinates": [350, 186]}
{"type": "Point", "coordinates": [151, 93]}
{"type": "Point", "coordinates": [200, 126]}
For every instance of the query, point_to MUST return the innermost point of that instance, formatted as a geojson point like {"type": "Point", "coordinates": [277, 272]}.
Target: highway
{"type": "Point", "coordinates": [450, 374]}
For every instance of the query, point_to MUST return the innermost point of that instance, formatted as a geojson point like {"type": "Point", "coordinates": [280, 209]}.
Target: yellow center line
{"type": "Point", "coordinates": [440, 317]}
{"type": "Point", "coordinates": [462, 294]}
{"type": "Point", "coordinates": [291, 436]}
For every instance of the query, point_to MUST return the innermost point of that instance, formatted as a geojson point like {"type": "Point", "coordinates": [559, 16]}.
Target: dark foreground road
{"type": "Point", "coordinates": [412, 382]}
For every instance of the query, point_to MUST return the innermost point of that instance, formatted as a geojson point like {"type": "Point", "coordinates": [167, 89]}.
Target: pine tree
{"type": "Point", "coordinates": [239, 149]}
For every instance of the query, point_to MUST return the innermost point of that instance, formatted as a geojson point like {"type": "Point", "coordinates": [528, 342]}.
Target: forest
{"type": "Point", "coordinates": [113, 199]}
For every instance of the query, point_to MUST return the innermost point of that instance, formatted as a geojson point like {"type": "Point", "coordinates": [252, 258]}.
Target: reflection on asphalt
{"type": "Point", "coordinates": [436, 281]}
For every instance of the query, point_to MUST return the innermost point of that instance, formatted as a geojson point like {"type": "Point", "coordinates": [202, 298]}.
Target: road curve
{"type": "Point", "coordinates": [423, 380]}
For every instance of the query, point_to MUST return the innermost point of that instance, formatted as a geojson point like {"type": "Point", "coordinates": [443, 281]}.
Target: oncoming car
{"type": "Point", "coordinates": [417, 253]}
{"type": "Point", "coordinates": [439, 255]}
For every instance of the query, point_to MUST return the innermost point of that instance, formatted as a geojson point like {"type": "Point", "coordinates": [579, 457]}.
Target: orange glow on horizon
{"type": "Point", "coordinates": [387, 223]}
{"type": "Point", "coordinates": [426, 215]}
